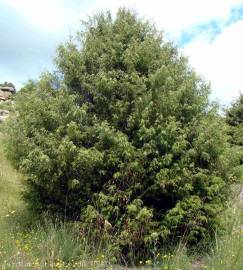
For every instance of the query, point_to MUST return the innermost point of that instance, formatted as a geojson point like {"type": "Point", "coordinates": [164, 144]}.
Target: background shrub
{"type": "Point", "coordinates": [234, 121]}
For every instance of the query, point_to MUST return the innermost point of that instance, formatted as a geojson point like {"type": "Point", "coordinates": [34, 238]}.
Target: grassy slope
{"type": "Point", "coordinates": [9, 185]}
{"type": "Point", "coordinates": [47, 246]}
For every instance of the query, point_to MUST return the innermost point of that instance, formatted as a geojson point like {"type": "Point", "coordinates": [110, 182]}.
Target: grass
{"type": "Point", "coordinates": [227, 253]}
{"type": "Point", "coordinates": [30, 242]}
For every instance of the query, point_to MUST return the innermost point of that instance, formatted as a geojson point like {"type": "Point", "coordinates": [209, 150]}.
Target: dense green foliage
{"type": "Point", "coordinates": [34, 241]}
{"type": "Point", "coordinates": [234, 118]}
{"type": "Point", "coordinates": [234, 121]}
{"type": "Point", "coordinates": [126, 141]}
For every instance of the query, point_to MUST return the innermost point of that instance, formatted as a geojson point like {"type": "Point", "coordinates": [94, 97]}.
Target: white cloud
{"type": "Point", "coordinates": [45, 15]}
{"type": "Point", "coordinates": [220, 61]}
{"type": "Point", "coordinates": [171, 15]}
{"type": "Point", "coordinates": [174, 15]}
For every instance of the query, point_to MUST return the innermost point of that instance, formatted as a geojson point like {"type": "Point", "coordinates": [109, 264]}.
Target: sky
{"type": "Point", "coordinates": [208, 32]}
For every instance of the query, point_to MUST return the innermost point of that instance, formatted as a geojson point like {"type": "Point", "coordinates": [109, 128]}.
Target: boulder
{"type": "Point", "coordinates": [6, 92]}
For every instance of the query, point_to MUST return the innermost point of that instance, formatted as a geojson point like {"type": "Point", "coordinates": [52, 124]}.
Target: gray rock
{"type": "Point", "coordinates": [6, 92]}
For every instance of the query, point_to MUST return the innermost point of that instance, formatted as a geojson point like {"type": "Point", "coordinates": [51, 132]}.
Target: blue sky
{"type": "Point", "coordinates": [214, 26]}
{"type": "Point", "coordinates": [210, 33]}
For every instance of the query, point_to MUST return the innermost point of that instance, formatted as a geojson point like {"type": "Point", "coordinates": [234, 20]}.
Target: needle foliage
{"type": "Point", "coordinates": [124, 139]}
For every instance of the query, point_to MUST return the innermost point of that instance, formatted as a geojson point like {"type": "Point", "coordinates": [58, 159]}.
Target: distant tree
{"type": "Point", "coordinates": [234, 118]}
{"type": "Point", "coordinates": [9, 84]}
{"type": "Point", "coordinates": [235, 112]}
{"type": "Point", "coordinates": [129, 143]}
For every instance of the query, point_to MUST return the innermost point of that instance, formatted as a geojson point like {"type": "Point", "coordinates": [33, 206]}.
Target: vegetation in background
{"type": "Point", "coordinates": [234, 118]}
{"type": "Point", "coordinates": [7, 84]}
{"type": "Point", "coordinates": [126, 142]}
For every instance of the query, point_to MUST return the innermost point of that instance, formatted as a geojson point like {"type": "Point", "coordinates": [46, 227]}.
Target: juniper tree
{"type": "Point", "coordinates": [127, 143]}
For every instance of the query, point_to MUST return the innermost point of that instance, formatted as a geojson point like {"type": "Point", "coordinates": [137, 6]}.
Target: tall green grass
{"type": "Point", "coordinates": [227, 253]}
{"type": "Point", "coordinates": [31, 242]}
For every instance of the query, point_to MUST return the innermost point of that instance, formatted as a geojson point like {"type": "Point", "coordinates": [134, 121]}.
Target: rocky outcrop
{"type": "Point", "coordinates": [6, 92]}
